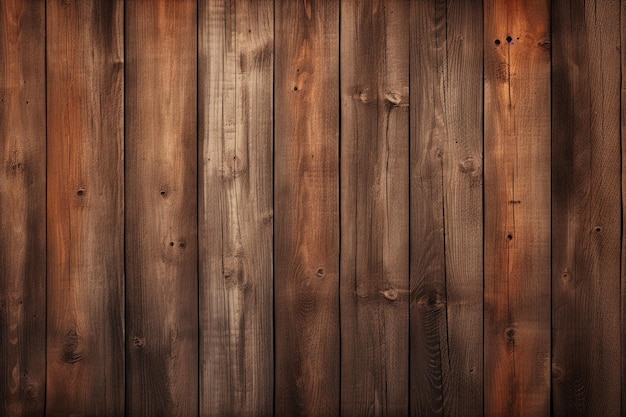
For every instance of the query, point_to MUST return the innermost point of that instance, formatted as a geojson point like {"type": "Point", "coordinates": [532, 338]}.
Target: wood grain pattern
{"type": "Point", "coordinates": [306, 206]}
{"type": "Point", "coordinates": [375, 208]}
{"type": "Point", "coordinates": [586, 204]}
{"type": "Point", "coordinates": [161, 208]}
{"type": "Point", "coordinates": [235, 196]}
{"type": "Point", "coordinates": [517, 208]}
{"type": "Point", "coordinates": [22, 208]}
{"type": "Point", "coordinates": [85, 342]}
{"type": "Point", "coordinates": [446, 209]}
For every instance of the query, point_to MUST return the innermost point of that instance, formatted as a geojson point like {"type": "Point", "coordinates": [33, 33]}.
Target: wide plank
{"type": "Point", "coordinates": [236, 44]}
{"type": "Point", "coordinates": [161, 208]}
{"type": "Point", "coordinates": [22, 208]}
{"type": "Point", "coordinates": [306, 207]}
{"type": "Point", "coordinates": [586, 208]}
{"type": "Point", "coordinates": [374, 67]}
{"type": "Point", "coordinates": [85, 325]}
{"type": "Point", "coordinates": [446, 301]}
{"type": "Point", "coordinates": [517, 208]}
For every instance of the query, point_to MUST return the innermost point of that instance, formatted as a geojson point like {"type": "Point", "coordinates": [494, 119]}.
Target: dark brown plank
{"type": "Point", "coordinates": [446, 208]}
{"type": "Point", "coordinates": [517, 208]}
{"type": "Point", "coordinates": [586, 208]}
{"type": "Point", "coordinates": [85, 343]}
{"type": "Point", "coordinates": [306, 208]}
{"type": "Point", "coordinates": [375, 207]}
{"type": "Point", "coordinates": [161, 208]}
{"type": "Point", "coordinates": [235, 202]}
{"type": "Point", "coordinates": [22, 208]}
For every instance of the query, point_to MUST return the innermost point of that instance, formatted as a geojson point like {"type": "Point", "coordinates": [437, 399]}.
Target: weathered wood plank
{"type": "Point", "coordinates": [586, 208]}
{"type": "Point", "coordinates": [22, 208]}
{"type": "Point", "coordinates": [85, 87]}
{"type": "Point", "coordinates": [161, 208]}
{"type": "Point", "coordinates": [235, 218]}
{"type": "Point", "coordinates": [306, 208]}
{"type": "Point", "coordinates": [517, 208]}
{"type": "Point", "coordinates": [375, 207]}
{"type": "Point", "coordinates": [446, 208]}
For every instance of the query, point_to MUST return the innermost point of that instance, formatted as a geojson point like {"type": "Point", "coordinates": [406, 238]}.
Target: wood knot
{"type": "Point", "coordinates": [364, 95]}
{"type": "Point", "coordinates": [70, 347]}
{"type": "Point", "coordinates": [139, 342]}
{"type": "Point", "coordinates": [393, 98]}
{"type": "Point", "coordinates": [320, 273]}
{"type": "Point", "coordinates": [469, 166]}
{"type": "Point", "coordinates": [390, 294]}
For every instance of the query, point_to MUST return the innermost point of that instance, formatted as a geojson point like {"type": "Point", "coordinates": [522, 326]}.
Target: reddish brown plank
{"type": "Point", "coordinates": [374, 207]}
{"type": "Point", "coordinates": [22, 208]}
{"type": "Point", "coordinates": [235, 202]}
{"type": "Point", "coordinates": [85, 344]}
{"type": "Point", "coordinates": [161, 208]}
{"type": "Point", "coordinates": [586, 204]}
{"type": "Point", "coordinates": [446, 340]}
{"type": "Point", "coordinates": [306, 208]}
{"type": "Point", "coordinates": [517, 208]}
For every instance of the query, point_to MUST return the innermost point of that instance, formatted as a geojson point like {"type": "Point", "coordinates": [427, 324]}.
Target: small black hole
{"type": "Point", "coordinates": [509, 236]}
{"type": "Point", "coordinates": [80, 192]}
{"type": "Point", "coordinates": [497, 42]}
{"type": "Point", "coordinates": [295, 88]}
{"type": "Point", "coordinates": [171, 243]}
{"type": "Point", "coordinates": [509, 39]}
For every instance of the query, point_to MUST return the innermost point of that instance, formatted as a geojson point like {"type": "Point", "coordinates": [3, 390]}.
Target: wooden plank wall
{"type": "Point", "coordinates": [312, 208]}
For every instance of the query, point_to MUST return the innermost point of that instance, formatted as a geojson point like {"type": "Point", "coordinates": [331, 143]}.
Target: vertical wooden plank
{"type": "Point", "coordinates": [446, 343]}
{"type": "Point", "coordinates": [374, 207]}
{"type": "Point", "coordinates": [235, 219]}
{"type": "Point", "coordinates": [85, 341]}
{"type": "Point", "coordinates": [306, 208]}
{"type": "Point", "coordinates": [517, 208]}
{"type": "Point", "coordinates": [161, 208]}
{"type": "Point", "coordinates": [22, 208]}
{"type": "Point", "coordinates": [586, 208]}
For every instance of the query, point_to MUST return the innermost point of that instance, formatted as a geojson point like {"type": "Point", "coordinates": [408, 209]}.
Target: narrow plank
{"type": "Point", "coordinates": [235, 202]}
{"type": "Point", "coordinates": [517, 208]}
{"type": "Point", "coordinates": [623, 192]}
{"type": "Point", "coordinates": [446, 301]}
{"type": "Point", "coordinates": [586, 208]}
{"type": "Point", "coordinates": [161, 208]}
{"type": "Point", "coordinates": [22, 208]}
{"type": "Point", "coordinates": [374, 67]}
{"type": "Point", "coordinates": [85, 87]}
{"type": "Point", "coordinates": [306, 208]}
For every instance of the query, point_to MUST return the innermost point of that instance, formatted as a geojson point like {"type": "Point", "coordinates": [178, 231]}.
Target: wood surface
{"type": "Point", "coordinates": [306, 208]}
{"type": "Point", "coordinates": [161, 208]}
{"type": "Point", "coordinates": [586, 208]}
{"type": "Point", "coordinates": [236, 43]}
{"type": "Point", "coordinates": [374, 207]}
{"type": "Point", "coordinates": [22, 208]}
{"type": "Point", "coordinates": [446, 302]}
{"type": "Point", "coordinates": [517, 208]}
{"type": "Point", "coordinates": [85, 233]}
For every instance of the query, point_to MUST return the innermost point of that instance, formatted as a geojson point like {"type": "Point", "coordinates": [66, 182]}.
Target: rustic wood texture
{"type": "Point", "coordinates": [586, 208]}
{"type": "Point", "coordinates": [517, 208]}
{"type": "Point", "coordinates": [235, 203]}
{"type": "Point", "coordinates": [22, 208]}
{"type": "Point", "coordinates": [306, 206]}
{"type": "Point", "coordinates": [375, 208]}
{"type": "Point", "coordinates": [161, 208]}
{"type": "Point", "coordinates": [446, 345]}
{"type": "Point", "coordinates": [85, 320]}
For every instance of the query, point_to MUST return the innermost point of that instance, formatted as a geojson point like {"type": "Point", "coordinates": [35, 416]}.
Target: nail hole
{"type": "Point", "coordinates": [162, 192]}
{"type": "Point", "coordinates": [598, 229]}
{"type": "Point", "coordinates": [171, 243]}
{"type": "Point", "coordinates": [295, 88]}
{"type": "Point", "coordinates": [509, 39]}
{"type": "Point", "coordinates": [80, 192]}
{"type": "Point", "coordinates": [320, 272]}
{"type": "Point", "coordinates": [509, 236]}
{"type": "Point", "coordinates": [497, 41]}
{"type": "Point", "coordinates": [181, 245]}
